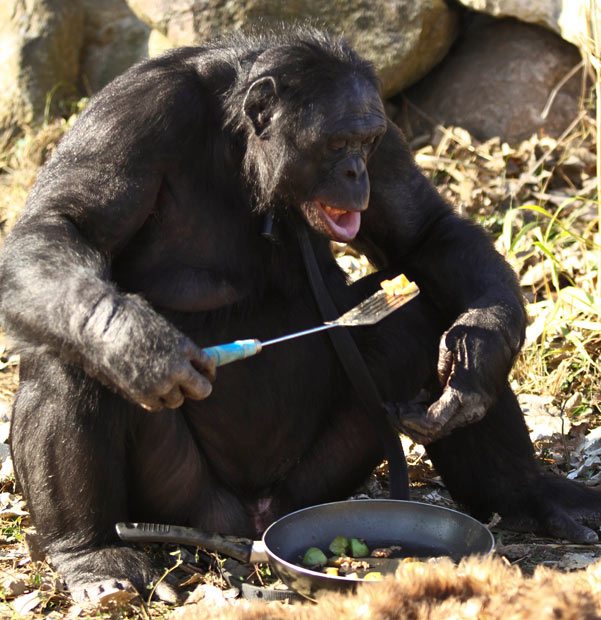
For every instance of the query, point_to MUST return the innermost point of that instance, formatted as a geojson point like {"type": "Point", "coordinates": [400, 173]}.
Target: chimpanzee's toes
{"type": "Point", "coordinates": [119, 592]}
{"type": "Point", "coordinates": [571, 510]}
{"type": "Point", "coordinates": [558, 508]}
{"type": "Point", "coordinates": [114, 574]}
{"type": "Point", "coordinates": [110, 592]}
{"type": "Point", "coordinates": [561, 525]}
{"type": "Point", "coordinates": [167, 593]}
{"type": "Point", "coordinates": [557, 525]}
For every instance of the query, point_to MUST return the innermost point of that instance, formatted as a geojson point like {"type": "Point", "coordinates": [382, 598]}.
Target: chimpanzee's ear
{"type": "Point", "coordinates": [259, 103]}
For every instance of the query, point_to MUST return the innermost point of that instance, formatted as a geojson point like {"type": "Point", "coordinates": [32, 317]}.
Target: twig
{"type": "Point", "coordinates": [162, 578]}
{"type": "Point", "coordinates": [558, 87]}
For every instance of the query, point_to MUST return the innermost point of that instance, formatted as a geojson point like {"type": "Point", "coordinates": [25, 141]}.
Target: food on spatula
{"type": "Point", "coordinates": [400, 285]}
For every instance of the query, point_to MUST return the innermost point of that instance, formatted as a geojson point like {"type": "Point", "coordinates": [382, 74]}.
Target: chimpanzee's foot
{"type": "Point", "coordinates": [112, 574]}
{"type": "Point", "coordinates": [559, 508]}
{"type": "Point", "coordinates": [104, 592]}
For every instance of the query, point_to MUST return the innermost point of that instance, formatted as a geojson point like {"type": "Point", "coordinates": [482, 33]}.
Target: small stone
{"type": "Point", "coordinates": [14, 587]}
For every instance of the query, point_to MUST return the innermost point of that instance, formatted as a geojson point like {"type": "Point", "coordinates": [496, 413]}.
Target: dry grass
{"type": "Point", "coordinates": [20, 165]}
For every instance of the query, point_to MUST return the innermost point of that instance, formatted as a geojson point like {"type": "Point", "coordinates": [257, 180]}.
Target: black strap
{"type": "Point", "coordinates": [358, 374]}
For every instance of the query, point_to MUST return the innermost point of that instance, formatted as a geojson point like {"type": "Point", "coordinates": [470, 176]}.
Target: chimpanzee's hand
{"type": "Point", "coordinates": [185, 372]}
{"type": "Point", "coordinates": [474, 360]}
{"type": "Point", "coordinates": [143, 356]}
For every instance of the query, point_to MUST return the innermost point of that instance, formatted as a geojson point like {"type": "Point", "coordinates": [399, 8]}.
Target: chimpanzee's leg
{"type": "Point", "coordinates": [489, 463]}
{"type": "Point", "coordinates": [70, 440]}
{"type": "Point", "coordinates": [489, 467]}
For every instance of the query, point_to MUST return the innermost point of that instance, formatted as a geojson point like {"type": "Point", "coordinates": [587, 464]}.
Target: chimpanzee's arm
{"type": "Point", "coordinates": [458, 269]}
{"type": "Point", "coordinates": [94, 194]}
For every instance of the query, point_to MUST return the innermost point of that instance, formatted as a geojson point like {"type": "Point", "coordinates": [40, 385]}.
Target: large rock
{"type": "Point", "coordinates": [569, 18]}
{"type": "Point", "coordinates": [114, 40]}
{"type": "Point", "coordinates": [39, 56]}
{"type": "Point", "coordinates": [497, 81]}
{"type": "Point", "coordinates": [404, 38]}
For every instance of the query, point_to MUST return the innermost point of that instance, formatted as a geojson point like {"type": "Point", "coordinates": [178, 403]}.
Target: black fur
{"type": "Point", "coordinates": [141, 243]}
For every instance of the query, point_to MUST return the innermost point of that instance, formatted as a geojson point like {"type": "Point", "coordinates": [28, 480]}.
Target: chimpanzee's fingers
{"type": "Point", "coordinates": [473, 407]}
{"type": "Point", "coordinates": [419, 424]}
{"type": "Point", "coordinates": [427, 426]}
{"type": "Point", "coordinates": [151, 404]}
{"type": "Point", "coordinates": [173, 399]}
{"type": "Point", "coordinates": [193, 384]}
{"type": "Point", "coordinates": [408, 417]}
{"type": "Point", "coordinates": [203, 363]}
{"type": "Point", "coordinates": [452, 410]}
{"type": "Point", "coordinates": [445, 362]}
{"type": "Point", "coordinates": [445, 408]}
{"type": "Point", "coordinates": [416, 432]}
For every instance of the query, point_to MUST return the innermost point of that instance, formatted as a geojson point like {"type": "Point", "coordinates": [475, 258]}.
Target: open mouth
{"type": "Point", "coordinates": [342, 225]}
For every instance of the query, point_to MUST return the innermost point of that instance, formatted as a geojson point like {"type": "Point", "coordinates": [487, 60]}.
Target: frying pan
{"type": "Point", "coordinates": [420, 529]}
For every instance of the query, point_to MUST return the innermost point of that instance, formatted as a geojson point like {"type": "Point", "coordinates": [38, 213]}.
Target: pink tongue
{"type": "Point", "coordinates": [346, 225]}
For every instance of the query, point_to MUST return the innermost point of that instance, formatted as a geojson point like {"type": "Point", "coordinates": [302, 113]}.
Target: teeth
{"type": "Point", "coordinates": [334, 211]}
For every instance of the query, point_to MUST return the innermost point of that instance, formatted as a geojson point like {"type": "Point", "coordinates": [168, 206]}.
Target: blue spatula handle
{"type": "Point", "coordinates": [225, 353]}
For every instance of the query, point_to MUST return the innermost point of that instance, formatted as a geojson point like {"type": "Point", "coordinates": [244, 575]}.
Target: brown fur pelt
{"type": "Point", "coordinates": [478, 588]}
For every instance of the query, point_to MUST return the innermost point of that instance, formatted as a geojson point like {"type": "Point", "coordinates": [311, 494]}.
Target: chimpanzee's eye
{"type": "Point", "coordinates": [336, 144]}
{"type": "Point", "coordinates": [369, 142]}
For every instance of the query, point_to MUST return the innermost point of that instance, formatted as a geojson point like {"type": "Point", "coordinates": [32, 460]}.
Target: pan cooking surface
{"type": "Point", "coordinates": [420, 529]}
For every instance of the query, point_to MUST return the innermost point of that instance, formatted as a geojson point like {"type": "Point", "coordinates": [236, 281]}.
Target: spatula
{"type": "Point", "coordinates": [368, 312]}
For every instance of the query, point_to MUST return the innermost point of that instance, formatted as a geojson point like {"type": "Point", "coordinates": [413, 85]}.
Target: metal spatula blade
{"type": "Point", "coordinates": [368, 312]}
{"type": "Point", "coordinates": [373, 309]}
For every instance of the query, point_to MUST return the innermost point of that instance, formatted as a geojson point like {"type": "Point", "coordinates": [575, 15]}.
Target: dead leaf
{"type": "Point", "coordinates": [210, 594]}
{"type": "Point", "coordinates": [543, 419]}
{"type": "Point", "coordinates": [27, 603]}
{"type": "Point", "coordinates": [116, 597]}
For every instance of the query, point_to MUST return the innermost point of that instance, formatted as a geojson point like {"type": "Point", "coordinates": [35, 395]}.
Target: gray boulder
{"type": "Point", "coordinates": [569, 18]}
{"type": "Point", "coordinates": [114, 39]}
{"type": "Point", "coordinates": [404, 38]}
{"type": "Point", "coordinates": [497, 81]}
{"type": "Point", "coordinates": [41, 41]}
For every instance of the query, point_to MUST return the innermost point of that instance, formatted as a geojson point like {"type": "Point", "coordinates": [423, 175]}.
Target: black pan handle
{"type": "Point", "coordinates": [241, 549]}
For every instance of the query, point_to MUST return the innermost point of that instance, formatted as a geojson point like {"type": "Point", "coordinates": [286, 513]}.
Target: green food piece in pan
{"type": "Point", "coordinates": [314, 557]}
{"type": "Point", "coordinates": [358, 548]}
{"type": "Point", "coordinates": [339, 546]}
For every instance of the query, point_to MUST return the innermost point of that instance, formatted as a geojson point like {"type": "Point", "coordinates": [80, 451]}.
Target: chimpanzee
{"type": "Point", "coordinates": [142, 243]}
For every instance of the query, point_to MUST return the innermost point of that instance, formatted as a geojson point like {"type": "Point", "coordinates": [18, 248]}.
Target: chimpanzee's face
{"type": "Point", "coordinates": [317, 158]}
{"type": "Point", "coordinates": [352, 123]}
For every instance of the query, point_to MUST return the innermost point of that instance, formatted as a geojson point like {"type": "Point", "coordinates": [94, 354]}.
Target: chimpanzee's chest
{"type": "Point", "coordinates": [196, 251]}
